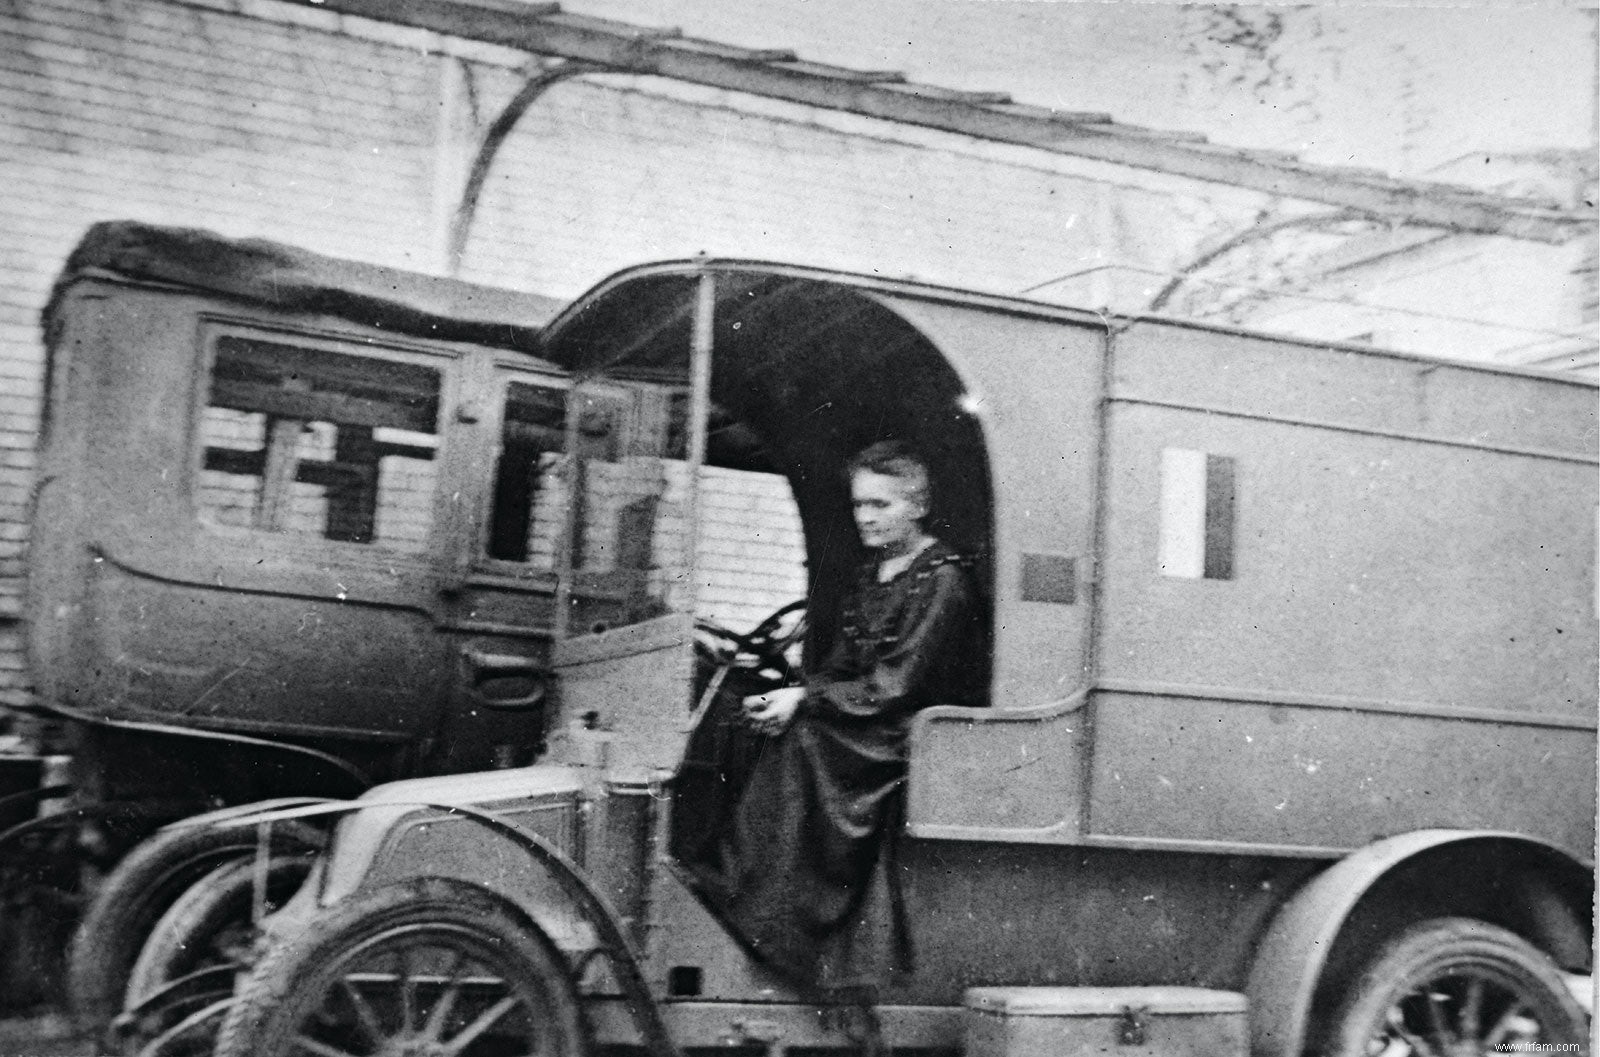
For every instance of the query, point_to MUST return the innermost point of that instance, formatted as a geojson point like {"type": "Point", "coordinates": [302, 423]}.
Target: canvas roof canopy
{"type": "Point", "coordinates": [293, 279]}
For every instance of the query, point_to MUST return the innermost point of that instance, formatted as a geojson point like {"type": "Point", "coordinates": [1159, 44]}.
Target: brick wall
{"type": "Point", "coordinates": [256, 118]}
{"type": "Point", "coordinates": [752, 555]}
{"type": "Point", "coordinates": [180, 115]}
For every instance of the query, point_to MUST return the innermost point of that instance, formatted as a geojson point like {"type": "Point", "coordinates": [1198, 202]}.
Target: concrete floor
{"type": "Point", "coordinates": [43, 1036]}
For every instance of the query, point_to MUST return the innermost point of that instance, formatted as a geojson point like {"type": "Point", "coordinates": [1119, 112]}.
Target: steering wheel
{"type": "Point", "coordinates": [763, 649]}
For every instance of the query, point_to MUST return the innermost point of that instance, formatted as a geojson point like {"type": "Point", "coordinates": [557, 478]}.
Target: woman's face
{"type": "Point", "coordinates": [888, 511]}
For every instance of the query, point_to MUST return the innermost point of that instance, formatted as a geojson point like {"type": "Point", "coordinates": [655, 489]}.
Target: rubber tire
{"type": "Point", "coordinates": [1435, 945]}
{"type": "Point", "coordinates": [137, 892]}
{"type": "Point", "coordinates": [285, 986]}
{"type": "Point", "coordinates": [222, 898]}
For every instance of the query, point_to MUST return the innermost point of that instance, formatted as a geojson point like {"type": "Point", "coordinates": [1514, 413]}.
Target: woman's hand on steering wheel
{"type": "Point", "coordinates": [764, 648]}
{"type": "Point", "coordinates": [771, 638]}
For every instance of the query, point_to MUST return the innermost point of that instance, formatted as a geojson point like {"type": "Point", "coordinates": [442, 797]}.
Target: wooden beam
{"type": "Point", "coordinates": [303, 406]}
{"type": "Point", "coordinates": [638, 49]}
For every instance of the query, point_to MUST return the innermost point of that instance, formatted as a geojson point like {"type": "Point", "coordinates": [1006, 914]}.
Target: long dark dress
{"type": "Point", "coordinates": [806, 871]}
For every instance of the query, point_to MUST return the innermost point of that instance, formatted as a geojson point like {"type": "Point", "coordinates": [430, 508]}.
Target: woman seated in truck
{"type": "Point", "coordinates": [804, 873]}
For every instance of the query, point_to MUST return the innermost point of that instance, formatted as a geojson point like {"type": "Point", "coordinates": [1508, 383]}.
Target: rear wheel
{"type": "Point", "coordinates": [138, 892]}
{"type": "Point", "coordinates": [1453, 987]}
{"type": "Point", "coordinates": [193, 954]}
{"type": "Point", "coordinates": [425, 968]}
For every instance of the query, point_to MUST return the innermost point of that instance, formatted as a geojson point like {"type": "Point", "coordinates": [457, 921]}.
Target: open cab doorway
{"type": "Point", "coordinates": [710, 544]}
{"type": "Point", "coordinates": [711, 419]}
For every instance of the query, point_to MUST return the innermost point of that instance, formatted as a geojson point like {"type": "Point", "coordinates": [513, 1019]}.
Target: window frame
{"type": "Point", "coordinates": [491, 383]}
{"type": "Point", "coordinates": [446, 362]}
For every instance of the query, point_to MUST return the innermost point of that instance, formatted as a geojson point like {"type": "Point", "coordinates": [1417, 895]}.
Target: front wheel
{"type": "Point", "coordinates": [1456, 986]}
{"type": "Point", "coordinates": [427, 967]}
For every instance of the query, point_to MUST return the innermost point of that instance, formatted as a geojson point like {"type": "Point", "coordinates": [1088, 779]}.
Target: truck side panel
{"type": "Point", "coordinates": [1392, 587]}
{"type": "Point", "coordinates": [1307, 777]}
{"type": "Point", "coordinates": [1363, 567]}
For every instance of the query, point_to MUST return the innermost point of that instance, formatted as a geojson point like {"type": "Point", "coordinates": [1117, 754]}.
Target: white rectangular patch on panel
{"type": "Point", "coordinates": [1183, 513]}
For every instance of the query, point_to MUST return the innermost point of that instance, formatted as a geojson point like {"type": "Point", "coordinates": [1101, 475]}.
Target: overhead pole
{"type": "Point", "coordinates": [489, 147]}
{"type": "Point", "coordinates": [545, 30]}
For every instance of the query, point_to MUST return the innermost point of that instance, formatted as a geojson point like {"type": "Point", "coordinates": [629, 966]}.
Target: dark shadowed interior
{"type": "Point", "coordinates": [805, 373]}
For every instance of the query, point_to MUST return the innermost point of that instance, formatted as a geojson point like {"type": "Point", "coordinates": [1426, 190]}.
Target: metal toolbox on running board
{"type": "Point", "coordinates": [1094, 1021]}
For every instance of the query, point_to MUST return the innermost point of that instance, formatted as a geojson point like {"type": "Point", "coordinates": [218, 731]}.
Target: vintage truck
{"type": "Point", "coordinates": [1290, 744]}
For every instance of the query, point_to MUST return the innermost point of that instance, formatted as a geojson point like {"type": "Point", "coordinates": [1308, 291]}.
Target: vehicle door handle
{"type": "Point", "coordinates": [486, 665]}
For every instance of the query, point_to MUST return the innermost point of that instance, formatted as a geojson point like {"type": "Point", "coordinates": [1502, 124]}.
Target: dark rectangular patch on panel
{"type": "Point", "coordinates": [1049, 578]}
{"type": "Point", "coordinates": [1219, 517]}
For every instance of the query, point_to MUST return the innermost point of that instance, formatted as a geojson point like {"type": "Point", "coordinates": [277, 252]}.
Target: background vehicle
{"type": "Point", "coordinates": [284, 544]}
{"type": "Point", "coordinates": [1292, 724]}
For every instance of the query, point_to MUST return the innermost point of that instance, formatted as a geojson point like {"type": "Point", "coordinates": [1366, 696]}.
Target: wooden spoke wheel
{"type": "Point", "coordinates": [1455, 987]}
{"type": "Point", "coordinates": [427, 968]}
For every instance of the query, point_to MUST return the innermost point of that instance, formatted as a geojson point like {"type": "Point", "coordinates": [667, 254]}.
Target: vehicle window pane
{"type": "Point", "coordinates": [528, 507]}
{"type": "Point", "coordinates": [629, 487]}
{"type": "Point", "coordinates": [310, 442]}
{"type": "Point", "coordinates": [233, 444]}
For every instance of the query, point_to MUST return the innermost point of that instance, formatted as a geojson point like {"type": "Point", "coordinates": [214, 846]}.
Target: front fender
{"type": "Point", "coordinates": [380, 842]}
{"type": "Point", "coordinates": [511, 834]}
{"type": "Point", "coordinates": [498, 853]}
{"type": "Point", "coordinates": [384, 844]}
{"type": "Point", "coordinates": [472, 827]}
{"type": "Point", "coordinates": [1294, 952]}
{"type": "Point", "coordinates": [259, 811]}
{"type": "Point", "coordinates": [441, 828]}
